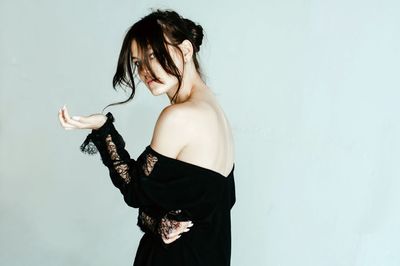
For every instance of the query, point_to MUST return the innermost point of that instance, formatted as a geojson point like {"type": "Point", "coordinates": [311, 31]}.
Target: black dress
{"type": "Point", "coordinates": [167, 190]}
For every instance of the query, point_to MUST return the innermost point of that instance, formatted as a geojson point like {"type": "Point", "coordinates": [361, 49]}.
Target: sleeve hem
{"type": "Point", "coordinates": [105, 128]}
{"type": "Point", "coordinates": [89, 146]}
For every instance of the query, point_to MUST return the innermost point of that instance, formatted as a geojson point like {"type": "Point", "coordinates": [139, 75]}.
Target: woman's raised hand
{"type": "Point", "coordinates": [94, 121]}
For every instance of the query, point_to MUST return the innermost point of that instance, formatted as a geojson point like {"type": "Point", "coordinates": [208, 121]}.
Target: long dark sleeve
{"type": "Point", "coordinates": [123, 170]}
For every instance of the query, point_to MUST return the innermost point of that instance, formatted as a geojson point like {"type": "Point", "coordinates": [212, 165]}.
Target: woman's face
{"type": "Point", "coordinates": [169, 82]}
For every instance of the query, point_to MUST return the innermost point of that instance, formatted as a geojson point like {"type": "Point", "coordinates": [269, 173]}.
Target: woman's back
{"type": "Point", "coordinates": [211, 142]}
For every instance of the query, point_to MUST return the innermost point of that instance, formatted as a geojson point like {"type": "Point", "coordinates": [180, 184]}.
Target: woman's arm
{"type": "Point", "coordinates": [123, 170]}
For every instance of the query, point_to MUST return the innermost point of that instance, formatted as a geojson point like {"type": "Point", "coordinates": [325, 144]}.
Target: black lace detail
{"type": "Point", "coordinates": [148, 166]}
{"type": "Point", "coordinates": [88, 146]}
{"type": "Point", "coordinates": [163, 226]}
{"type": "Point", "coordinates": [146, 222]}
{"type": "Point", "coordinates": [121, 167]}
{"type": "Point", "coordinates": [123, 170]}
{"type": "Point", "coordinates": [168, 225]}
{"type": "Point", "coordinates": [110, 144]}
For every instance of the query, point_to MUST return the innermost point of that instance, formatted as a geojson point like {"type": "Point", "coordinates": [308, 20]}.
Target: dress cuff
{"type": "Point", "coordinates": [88, 145]}
{"type": "Point", "coordinates": [105, 128]}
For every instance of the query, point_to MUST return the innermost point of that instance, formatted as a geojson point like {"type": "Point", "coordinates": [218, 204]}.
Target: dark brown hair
{"type": "Point", "coordinates": [151, 31]}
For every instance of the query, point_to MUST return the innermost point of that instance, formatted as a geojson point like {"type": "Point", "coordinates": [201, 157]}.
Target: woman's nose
{"type": "Point", "coordinates": [144, 75]}
{"type": "Point", "coordinates": [147, 74]}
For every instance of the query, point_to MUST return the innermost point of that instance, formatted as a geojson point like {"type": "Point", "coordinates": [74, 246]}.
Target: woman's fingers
{"type": "Point", "coordinates": [64, 124]}
{"type": "Point", "coordinates": [94, 121]}
{"type": "Point", "coordinates": [177, 233]}
{"type": "Point", "coordinates": [70, 121]}
{"type": "Point", "coordinates": [182, 228]}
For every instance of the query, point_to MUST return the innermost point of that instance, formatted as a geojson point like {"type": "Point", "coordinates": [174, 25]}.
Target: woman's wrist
{"type": "Point", "coordinates": [106, 119]}
{"type": "Point", "coordinates": [102, 123]}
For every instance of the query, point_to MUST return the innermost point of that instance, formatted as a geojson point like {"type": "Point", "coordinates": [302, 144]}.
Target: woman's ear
{"type": "Point", "coordinates": [187, 50]}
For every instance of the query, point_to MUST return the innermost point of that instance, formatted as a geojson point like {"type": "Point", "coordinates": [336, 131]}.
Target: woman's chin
{"type": "Point", "coordinates": [156, 91]}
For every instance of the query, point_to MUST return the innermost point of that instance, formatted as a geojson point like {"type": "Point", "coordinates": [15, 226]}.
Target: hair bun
{"type": "Point", "coordinates": [196, 33]}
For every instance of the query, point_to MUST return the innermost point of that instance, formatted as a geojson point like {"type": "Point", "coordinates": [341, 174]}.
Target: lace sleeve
{"type": "Point", "coordinates": [162, 226]}
{"type": "Point", "coordinates": [122, 169]}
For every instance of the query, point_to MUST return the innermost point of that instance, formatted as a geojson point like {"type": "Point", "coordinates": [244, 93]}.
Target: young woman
{"type": "Point", "coordinates": [183, 182]}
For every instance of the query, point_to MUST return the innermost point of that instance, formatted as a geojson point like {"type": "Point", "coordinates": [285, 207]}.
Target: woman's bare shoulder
{"type": "Point", "coordinates": [175, 127]}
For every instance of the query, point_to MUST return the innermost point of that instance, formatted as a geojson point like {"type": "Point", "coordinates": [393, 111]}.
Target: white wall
{"type": "Point", "coordinates": [310, 88]}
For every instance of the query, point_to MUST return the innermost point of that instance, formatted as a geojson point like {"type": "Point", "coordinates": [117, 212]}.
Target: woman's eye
{"type": "Point", "coordinates": [151, 55]}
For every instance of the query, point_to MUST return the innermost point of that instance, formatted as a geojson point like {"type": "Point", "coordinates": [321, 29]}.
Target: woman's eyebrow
{"type": "Point", "coordinates": [149, 51]}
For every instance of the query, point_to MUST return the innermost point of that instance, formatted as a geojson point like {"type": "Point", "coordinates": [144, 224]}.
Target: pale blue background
{"type": "Point", "coordinates": [311, 89]}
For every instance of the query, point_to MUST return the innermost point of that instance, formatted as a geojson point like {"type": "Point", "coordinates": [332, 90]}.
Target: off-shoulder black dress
{"type": "Point", "coordinates": [167, 190]}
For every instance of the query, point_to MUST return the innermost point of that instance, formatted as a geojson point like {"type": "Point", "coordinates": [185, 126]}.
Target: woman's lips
{"type": "Point", "coordinates": [149, 81]}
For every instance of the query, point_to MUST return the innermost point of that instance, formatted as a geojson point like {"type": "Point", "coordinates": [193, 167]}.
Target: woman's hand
{"type": "Point", "coordinates": [171, 230]}
{"type": "Point", "coordinates": [94, 121]}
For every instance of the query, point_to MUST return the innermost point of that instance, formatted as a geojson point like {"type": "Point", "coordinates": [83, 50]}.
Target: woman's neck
{"type": "Point", "coordinates": [188, 89]}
